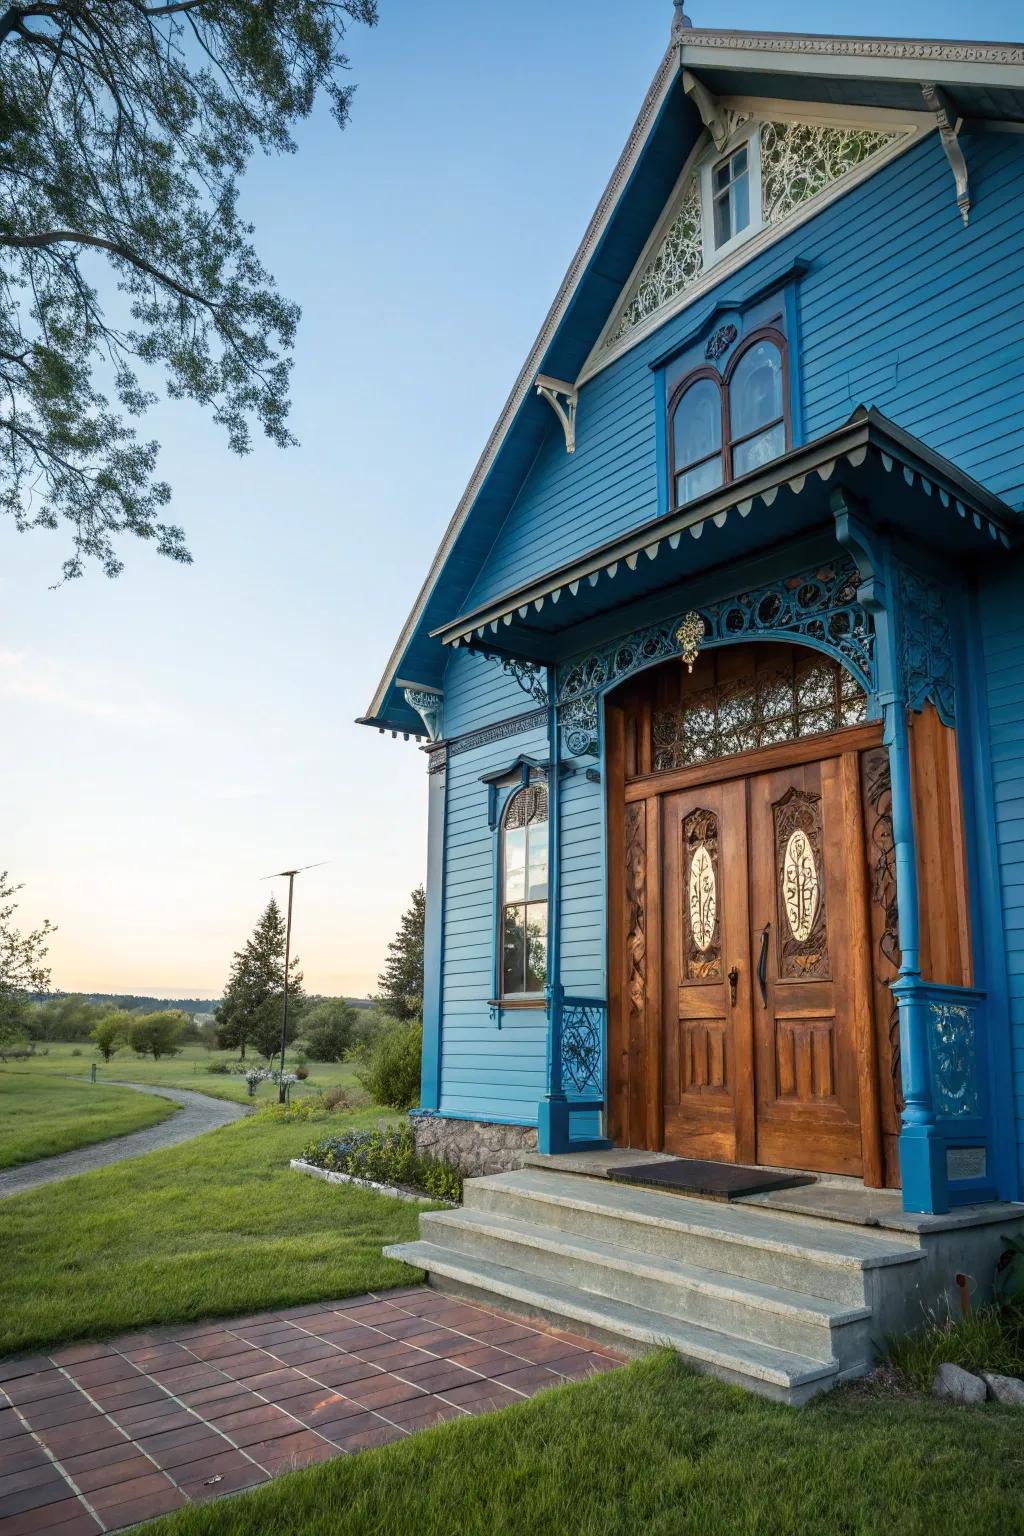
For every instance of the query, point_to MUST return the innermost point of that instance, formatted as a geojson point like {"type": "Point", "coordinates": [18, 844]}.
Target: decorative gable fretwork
{"type": "Point", "coordinates": [798, 161]}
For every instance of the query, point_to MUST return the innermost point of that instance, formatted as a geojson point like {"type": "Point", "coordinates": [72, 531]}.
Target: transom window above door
{"type": "Point", "coordinates": [749, 700]}
{"type": "Point", "coordinates": [723, 427]}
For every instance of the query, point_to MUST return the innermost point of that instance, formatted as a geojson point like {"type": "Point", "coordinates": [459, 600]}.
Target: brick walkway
{"type": "Point", "coordinates": [96, 1437]}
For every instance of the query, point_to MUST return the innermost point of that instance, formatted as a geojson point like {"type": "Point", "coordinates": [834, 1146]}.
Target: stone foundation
{"type": "Point", "coordinates": [476, 1146]}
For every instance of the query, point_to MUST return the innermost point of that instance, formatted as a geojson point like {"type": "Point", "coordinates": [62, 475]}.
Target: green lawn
{"type": "Point", "coordinates": [652, 1449]}
{"type": "Point", "coordinates": [186, 1070]}
{"type": "Point", "coordinates": [215, 1226]}
{"type": "Point", "coordinates": [41, 1115]}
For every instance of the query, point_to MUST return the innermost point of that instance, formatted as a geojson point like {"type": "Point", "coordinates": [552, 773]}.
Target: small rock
{"type": "Point", "coordinates": [1005, 1389]}
{"type": "Point", "coordinates": [958, 1386]}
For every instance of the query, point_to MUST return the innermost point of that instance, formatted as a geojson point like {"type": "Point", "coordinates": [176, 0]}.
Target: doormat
{"type": "Point", "coordinates": [710, 1181]}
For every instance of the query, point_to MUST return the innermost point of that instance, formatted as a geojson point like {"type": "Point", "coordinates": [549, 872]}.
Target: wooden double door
{"type": "Point", "coordinates": [765, 995]}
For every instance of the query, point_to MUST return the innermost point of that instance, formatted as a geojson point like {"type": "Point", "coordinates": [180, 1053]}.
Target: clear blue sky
{"type": "Point", "coordinates": [176, 734]}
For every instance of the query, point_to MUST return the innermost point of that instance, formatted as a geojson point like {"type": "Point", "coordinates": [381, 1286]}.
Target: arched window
{"type": "Point", "coordinates": [524, 893]}
{"type": "Point", "coordinates": [720, 429]}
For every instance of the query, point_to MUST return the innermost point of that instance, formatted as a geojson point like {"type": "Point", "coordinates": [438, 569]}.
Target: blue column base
{"type": "Point", "coordinates": [553, 1125]}
{"type": "Point", "coordinates": [923, 1170]}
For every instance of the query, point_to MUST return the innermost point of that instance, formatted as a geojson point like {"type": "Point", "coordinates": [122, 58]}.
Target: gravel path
{"type": "Point", "coordinates": [197, 1114]}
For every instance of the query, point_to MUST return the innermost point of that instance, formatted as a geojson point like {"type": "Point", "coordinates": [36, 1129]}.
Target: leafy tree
{"type": "Point", "coordinates": [126, 126]}
{"type": "Point", "coordinates": [327, 1029]}
{"type": "Point", "coordinates": [156, 1034]}
{"type": "Point", "coordinates": [111, 1033]}
{"type": "Point", "coordinates": [23, 967]}
{"type": "Point", "coordinates": [251, 1009]}
{"type": "Point", "coordinates": [401, 981]}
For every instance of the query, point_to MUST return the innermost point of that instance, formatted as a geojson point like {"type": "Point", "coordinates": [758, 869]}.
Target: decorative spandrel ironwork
{"type": "Point", "coordinates": [801, 159]}
{"type": "Point", "coordinates": [819, 606]}
{"type": "Point", "coordinates": [926, 644]}
{"type": "Point", "coordinates": [800, 887]}
{"type": "Point", "coordinates": [582, 1034]}
{"type": "Point", "coordinates": [703, 947]}
{"type": "Point", "coordinates": [811, 697]}
{"type": "Point", "coordinates": [675, 265]}
{"type": "Point", "coordinates": [954, 1060]}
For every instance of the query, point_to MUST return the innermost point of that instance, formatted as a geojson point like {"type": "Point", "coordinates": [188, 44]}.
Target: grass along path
{"type": "Point", "coordinates": [187, 1070]}
{"type": "Point", "coordinates": [654, 1449]}
{"type": "Point", "coordinates": [41, 1115]}
{"type": "Point", "coordinates": [216, 1226]}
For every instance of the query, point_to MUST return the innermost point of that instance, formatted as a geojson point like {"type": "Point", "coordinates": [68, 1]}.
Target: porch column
{"type": "Point", "coordinates": [553, 1111]}
{"type": "Point", "coordinates": [922, 1146]}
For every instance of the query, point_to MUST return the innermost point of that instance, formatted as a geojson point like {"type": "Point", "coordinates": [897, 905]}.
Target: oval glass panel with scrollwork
{"type": "Point", "coordinates": [801, 887]}
{"type": "Point", "coordinates": [703, 896]}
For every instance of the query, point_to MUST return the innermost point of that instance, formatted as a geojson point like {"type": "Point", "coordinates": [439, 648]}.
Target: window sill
{"type": "Point", "coordinates": [507, 1004]}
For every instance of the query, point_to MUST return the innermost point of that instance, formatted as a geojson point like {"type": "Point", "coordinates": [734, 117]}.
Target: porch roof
{"type": "Point", "coordinates": [904, 484]}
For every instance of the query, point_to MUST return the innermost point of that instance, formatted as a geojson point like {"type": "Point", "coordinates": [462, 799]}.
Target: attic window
{"type": "Point", "coordinates": [730, 196]}
{"type": "Point", "coordinates": [730, 191]}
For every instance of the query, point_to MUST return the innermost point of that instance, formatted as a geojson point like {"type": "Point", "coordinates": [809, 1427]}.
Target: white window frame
{"type": "Point", "coordinates": [750, 137]}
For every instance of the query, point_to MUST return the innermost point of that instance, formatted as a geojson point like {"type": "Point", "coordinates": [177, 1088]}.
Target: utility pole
{"type": "Point", "coordinates": [288, 874]}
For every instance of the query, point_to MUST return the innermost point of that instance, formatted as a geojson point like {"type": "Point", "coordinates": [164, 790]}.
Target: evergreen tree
{"type": "Point", "coordinates": [401, 981]}
{"type": "Point", "coordinates": [250, 1011]}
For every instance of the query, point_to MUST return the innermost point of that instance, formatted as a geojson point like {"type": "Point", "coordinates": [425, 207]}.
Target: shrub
{"type": "Point", "coordinates": [218, 1066]}
{"type": "Point", "coordinates": [387, 1155]}
{"type": "Point", "coordinates": [327, 1029]}
{"type": "Point", "coordinates": [76, 1051]}
{"type": "Point", "coordinates": [388, 1067]}
{"type": "Point", "coordinates": [311, 1107]}
{"type": "Point", "coordinates": [302, 1073]}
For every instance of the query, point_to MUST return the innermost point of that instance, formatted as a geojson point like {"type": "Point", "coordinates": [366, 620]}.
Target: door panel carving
{"type": "Point", "coordinates": [800, 887]}
{"type": "Point", "coordinates": [804, 1059]}
{"type": "Point", "coordinates": [705, 1056]}
{"type": "Point", "coordinates": [702, 947]}
{"type": "Point", "coordinates": [636, 914]}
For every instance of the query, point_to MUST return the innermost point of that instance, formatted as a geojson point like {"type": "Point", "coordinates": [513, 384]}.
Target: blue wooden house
{"type": "Point", "coordinates": [720, 670]}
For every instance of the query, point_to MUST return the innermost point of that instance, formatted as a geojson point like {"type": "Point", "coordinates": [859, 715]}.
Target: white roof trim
{"type": "Point", "coordinates": [524, 384]}
{"type": "Point", "coordinates": [892, 58]}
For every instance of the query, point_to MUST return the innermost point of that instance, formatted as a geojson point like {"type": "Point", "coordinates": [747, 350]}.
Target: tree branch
{"type": "Point", "coordinates": [50, 237]}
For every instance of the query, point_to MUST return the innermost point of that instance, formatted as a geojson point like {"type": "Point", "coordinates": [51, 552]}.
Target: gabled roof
{"type": "Point", "coordinates": [980, 80]}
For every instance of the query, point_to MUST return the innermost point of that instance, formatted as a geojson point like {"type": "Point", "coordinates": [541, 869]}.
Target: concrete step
{"type": "Point", "coordinates": [748, 1309]}
{"type": "Point", "coordinates": [775, 1373]}
{"type": "Point", "coordinates": [792, 1253]}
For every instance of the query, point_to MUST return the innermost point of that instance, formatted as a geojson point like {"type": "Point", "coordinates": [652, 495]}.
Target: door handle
{"type": "Point", "coordinates": [734, 978]}
{"type": "Point", "coordinates": [762, 965]}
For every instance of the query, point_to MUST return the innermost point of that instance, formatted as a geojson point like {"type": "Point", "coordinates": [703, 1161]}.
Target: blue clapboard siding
{"type": "Point", "coordinates": [1003, 636]}
{"type": "Point", "coordinates": [897, 291]}
{"type": "Point", "coordinates": [486, 1072]}
{"type": "Point", "coordinates": [478, 693]}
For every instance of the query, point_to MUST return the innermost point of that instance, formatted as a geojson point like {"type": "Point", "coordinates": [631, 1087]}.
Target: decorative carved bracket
{"type": "Point", "coordinates": [937, 102]}
{"type": "Point", "coordinates": [529, 675]}
{"type": "Point", "coordinates": [720, 122]}
{"type": "Point", "coordinates": [552, 390]}
{"type": "Point", "coordinates": [428, 704]}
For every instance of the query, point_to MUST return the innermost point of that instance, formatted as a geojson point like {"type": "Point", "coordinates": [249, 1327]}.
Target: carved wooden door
{"type": "Point", "coordinates": [706, 997]}
{"type": "Point", "coordinates": [807, 927]}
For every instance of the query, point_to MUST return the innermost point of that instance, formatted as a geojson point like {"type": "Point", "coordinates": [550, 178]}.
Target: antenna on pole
{"type": "Point", "coordinates": [289, 875]}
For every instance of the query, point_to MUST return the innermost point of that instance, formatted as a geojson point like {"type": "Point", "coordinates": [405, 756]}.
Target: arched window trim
{"type": "Point", "coordinates": [517, 997]}
{"type": "Point", "coordinates": [706, 371]}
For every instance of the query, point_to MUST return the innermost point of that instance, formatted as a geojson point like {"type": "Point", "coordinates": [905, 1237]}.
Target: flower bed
{"type": "Point", "coordinates": [387, 1155]}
